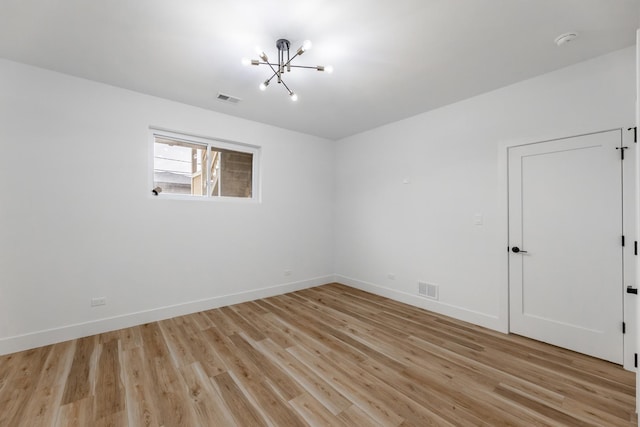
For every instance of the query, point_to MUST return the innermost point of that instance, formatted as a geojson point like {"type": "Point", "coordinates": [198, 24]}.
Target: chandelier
{"type": "Point", "coordinates": [284, 64]}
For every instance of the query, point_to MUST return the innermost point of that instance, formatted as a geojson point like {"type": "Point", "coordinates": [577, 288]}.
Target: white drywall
{"type": "Point", "coordinates": [77, 219]}
{"type": "Point", "coordinates": [407, 194]}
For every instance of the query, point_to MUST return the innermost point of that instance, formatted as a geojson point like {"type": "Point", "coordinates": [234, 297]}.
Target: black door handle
{"type": "Point", "coordinates": [516, 250]}
{"type": "Point", "coordinates": [632, 290]}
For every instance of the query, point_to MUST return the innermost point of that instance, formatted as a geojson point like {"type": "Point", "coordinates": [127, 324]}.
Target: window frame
{"type": "Point", "coordinates": [207, 143]}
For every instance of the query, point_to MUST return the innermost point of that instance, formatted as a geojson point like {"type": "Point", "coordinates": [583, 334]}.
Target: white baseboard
{"type": "Point", "coordinates": [79, 330]}
{"type": "Point", "coordinates": [460, 313]}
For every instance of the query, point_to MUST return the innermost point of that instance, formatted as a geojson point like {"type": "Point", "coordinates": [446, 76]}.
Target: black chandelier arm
{"type": "Point", "coordinates": [281, 81]}
{"type": "Point", "coordinates": [304, 66]}
{"type": "Point", "coordinates": [275, 73]}
{"type": "Point", "coordinates": [271, 64]}
{"type": "Point", "coordinates": [288, 63]}
{"type": "Point", "coordinates": [271, 78]}
{"type": "Point", "coordinates": [287, 87]}
{"type": "Point", "coordinates": [272, 69]}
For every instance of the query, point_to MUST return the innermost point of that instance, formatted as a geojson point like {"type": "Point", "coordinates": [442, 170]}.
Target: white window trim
{"type": "Point", "coordinates": [256, 191]}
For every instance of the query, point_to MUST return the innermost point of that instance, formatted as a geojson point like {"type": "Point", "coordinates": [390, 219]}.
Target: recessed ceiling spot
{"type": "Point", "coordinates": [565, 38]}
{"type": "Point", "coordinates": [228, 98]}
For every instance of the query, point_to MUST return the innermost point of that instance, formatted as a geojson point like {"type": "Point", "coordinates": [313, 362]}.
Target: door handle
{"type": "Point", "coordinates": [516, 250]}
{"type": "Point", "coordinates": [632, 290]}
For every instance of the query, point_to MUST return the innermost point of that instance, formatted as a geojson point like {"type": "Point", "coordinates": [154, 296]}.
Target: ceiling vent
{"type": "Point", "coordinates": [228, 98]}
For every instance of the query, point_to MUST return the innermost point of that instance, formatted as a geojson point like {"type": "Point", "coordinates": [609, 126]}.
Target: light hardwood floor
{"type": "Point", "coordinates": [327, 356]}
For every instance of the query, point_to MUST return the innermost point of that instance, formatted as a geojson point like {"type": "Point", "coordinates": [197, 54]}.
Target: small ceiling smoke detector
{"type": "Point", "coordinates": [565, 38]}
{"type": "Point", "coordinates": [227, 98]}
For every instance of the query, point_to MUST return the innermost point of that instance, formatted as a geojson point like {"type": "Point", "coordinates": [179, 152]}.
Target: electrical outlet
{"type": "Point", "coordinates": [98, 301]}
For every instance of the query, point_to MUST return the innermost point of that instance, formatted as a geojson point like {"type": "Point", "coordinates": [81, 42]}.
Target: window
{"type": "Point", "coordinates": [196, 166]}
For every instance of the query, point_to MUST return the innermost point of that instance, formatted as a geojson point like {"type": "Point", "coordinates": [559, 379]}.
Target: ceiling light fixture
{"type": "Point", "coordinates": [284, 66]}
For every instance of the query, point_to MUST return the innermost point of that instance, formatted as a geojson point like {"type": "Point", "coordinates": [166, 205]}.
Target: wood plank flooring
{"type": "Point", "coordinates": [327, 356]}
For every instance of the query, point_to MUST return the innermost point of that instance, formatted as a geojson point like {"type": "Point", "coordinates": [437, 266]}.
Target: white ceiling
{"type": "Point", "coordinates": [392, 59]}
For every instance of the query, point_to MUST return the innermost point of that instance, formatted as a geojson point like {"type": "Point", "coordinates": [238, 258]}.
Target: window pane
{"type": "Point", "coordinates": [231, 173]}
{"type": "Point", "coordinates": [201, 167]}
{"type": "Point", "coordinates": [177, 167]}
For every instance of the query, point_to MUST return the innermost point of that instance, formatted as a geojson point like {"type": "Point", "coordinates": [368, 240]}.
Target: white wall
{"type": "Point", "coordinates": [424, 230]}
{"type": "Point", "coordinates": [77, 219]}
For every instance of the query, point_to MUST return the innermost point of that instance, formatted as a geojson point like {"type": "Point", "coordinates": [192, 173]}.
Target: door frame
{"type": "Point", "coordinates": [629, 213]}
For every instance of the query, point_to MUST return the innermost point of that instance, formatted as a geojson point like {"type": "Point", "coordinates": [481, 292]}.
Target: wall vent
{"type": "Point", "coordinates": [428, 290]}
{"type": "Point", "coordinates": [228, 98]}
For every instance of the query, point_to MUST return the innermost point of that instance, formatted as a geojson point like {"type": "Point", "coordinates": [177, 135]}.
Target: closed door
{"type": "Point", "coordinates": [565, 234]}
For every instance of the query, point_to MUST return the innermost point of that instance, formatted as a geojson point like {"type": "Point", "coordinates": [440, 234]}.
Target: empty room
{"type": "Point", "coordinates": [319, 213]}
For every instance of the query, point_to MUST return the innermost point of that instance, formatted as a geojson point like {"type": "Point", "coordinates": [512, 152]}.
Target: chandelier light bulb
{"type": "Point", "coordinates": [246, 61]}
{"type": "Point", "coordinates": [306, 45]}
{"type": "Point", "coordinates": [263, 85]}
{"type": "Point", "coordinates": [293, 96]}
{"type": "Point", "coordinates": [261, 54]}
{"type": "Point", "coordinates": [325, 68]}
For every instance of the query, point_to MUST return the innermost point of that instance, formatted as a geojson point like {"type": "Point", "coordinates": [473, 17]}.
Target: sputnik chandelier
{"type": "Point", "coordinates": [284, 64]}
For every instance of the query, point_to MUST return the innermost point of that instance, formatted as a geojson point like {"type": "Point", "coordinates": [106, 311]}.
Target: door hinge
{"type": "Point", "coordinates": [624, 328]}
{"type": "Point", "coordinates": [622, 151]}
{"type": "Point", "coordinates": [635, 360]}
{"type": "Point", "coordinates": [635, 133]}
{"type": "Point", "coordinates": [623, 240]}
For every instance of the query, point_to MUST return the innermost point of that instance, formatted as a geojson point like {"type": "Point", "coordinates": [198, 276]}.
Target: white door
{"type": "Point", "coordinates": [565, 235]}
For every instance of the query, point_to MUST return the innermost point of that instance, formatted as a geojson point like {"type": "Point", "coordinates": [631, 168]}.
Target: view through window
{"type": "Point", "coordinates": [198, 167]}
